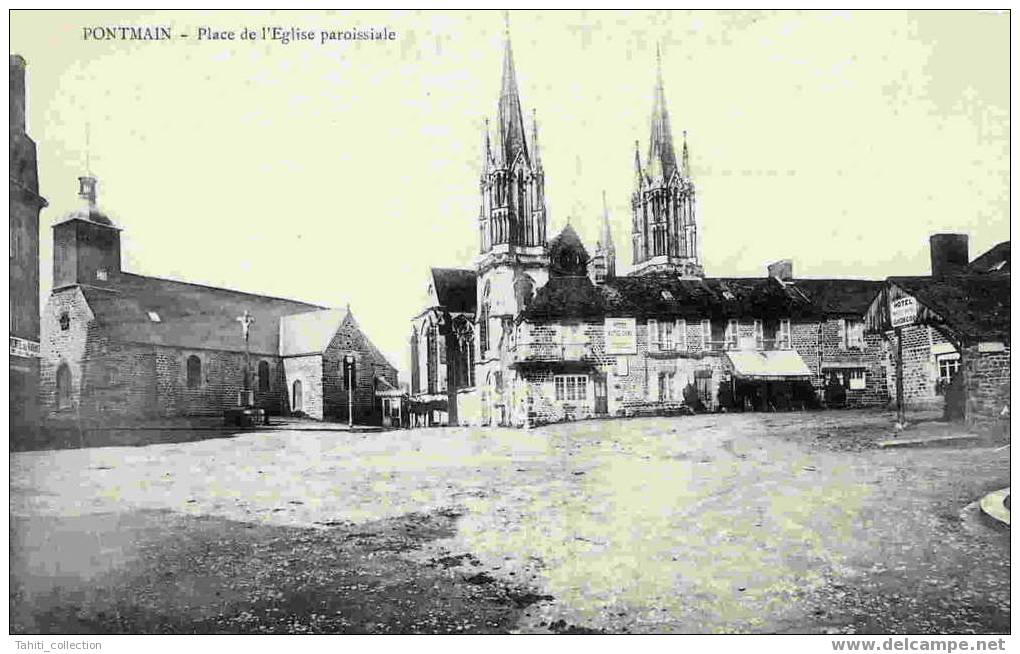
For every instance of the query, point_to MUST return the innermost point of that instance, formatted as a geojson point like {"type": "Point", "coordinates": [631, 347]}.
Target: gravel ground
{"type": "Point", "coordinates": [722, 523]}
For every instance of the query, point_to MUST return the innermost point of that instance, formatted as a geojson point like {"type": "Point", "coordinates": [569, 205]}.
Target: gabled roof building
{"type": "Point", "coordinates": [121, 347]}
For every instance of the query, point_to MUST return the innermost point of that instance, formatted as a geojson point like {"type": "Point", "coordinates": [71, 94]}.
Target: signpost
{"type": "Point", "coordinates": [902, 313]}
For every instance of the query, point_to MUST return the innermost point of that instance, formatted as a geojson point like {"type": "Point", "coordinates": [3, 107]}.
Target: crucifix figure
{"type": "Point", "coordinates": [246, 321]}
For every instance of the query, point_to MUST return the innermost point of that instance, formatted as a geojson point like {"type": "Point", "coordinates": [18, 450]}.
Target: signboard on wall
{"type": "Point", "coordinates": [621, 336]}
{"type": "Point", "coordinates": [903, 311]}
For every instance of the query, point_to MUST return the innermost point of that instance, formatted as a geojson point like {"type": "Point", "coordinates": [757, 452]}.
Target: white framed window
{"type": "Point", "coordinates": [783, 338]}
{"type": "Point", "coordinates": [949, 365]}
{"type": "Point", "coordinates": [571, 387]}
{"type": "Point", "coordinates": [853, 334]}
{"type": "Point", "coordinates": [732, 329]}
{"type": "Point", "coordinates": [666, 336]}
{"type": "Point", "coordinates": [857, 379]}
{"type": "Point", "coordinates": [706, 333]}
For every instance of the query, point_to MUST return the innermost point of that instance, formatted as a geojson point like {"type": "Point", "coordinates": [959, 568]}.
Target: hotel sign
{"type": "Point", "coordinates": [903, 311]}
{"type": "Point", "coordinates": [21, 347]}
{"type": "Point", "coordinates": [621, 336]}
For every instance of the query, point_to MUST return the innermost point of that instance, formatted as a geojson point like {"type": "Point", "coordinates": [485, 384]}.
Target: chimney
{"type": "Point", "coordinates": [17, 96]}
{"type": "Point", "coordinates": [949, 254]}
{"type": "Point", "coordinates": [781, 270]}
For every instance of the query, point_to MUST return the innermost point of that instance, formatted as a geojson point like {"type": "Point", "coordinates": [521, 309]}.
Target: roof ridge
{"type": "Point", "coordinates": [227, 290]}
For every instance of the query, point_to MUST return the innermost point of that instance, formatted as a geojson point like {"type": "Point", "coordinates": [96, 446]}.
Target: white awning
{"type": "Point", "coordinates": [770, 364]}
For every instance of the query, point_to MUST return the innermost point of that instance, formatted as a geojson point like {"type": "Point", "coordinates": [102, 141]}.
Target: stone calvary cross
{"type": "Point", "coordinates": [246, 321]}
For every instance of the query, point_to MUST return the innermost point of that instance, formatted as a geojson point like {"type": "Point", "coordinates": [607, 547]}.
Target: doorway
{"type": "Point", "coordinates": [601, 396]}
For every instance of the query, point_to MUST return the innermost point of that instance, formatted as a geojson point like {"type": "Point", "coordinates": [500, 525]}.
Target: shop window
{"type": "Point", "coordinates": [571, 387]}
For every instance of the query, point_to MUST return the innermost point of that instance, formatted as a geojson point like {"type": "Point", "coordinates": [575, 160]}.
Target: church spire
{"type": "Point", "coordinates": [685, 158]}
{"type": "Point", "coordinates": [511, 120]}
{"type": "Point", "coordinates": [661, 155]}
{"type": "Point", "coordinates": [638, 176]}
{"type": "Point", "coordinates": [607, 232]}
{"type": "Point", "coordinates": [534, 139]}
{"type": "Point", "coordinates": [487, 152]}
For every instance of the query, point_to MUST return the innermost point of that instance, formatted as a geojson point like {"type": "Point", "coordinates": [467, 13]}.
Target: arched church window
{"type": "Point", "coordinates": [194, 371]}
{"type": "Point", "coordinates": [263, 377]}
{"type": "Point", "coordinates": [415, 363]}
{"type": "Point", "coordinates": [430, 358]}
{"type": "Point", "coordinates": [483, 321]}
{"type": "Point", "coordinates": [63, 387]}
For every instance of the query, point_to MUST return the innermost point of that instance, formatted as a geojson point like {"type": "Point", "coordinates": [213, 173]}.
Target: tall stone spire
{"type": "Point", "coordinates": [534, 139]}
{"type": "Point", "coordinates": [664, 231]}
{"type": "Point", "coordinates": [511, 120]}
{"type": "Point", "coordinates": [607, 232]}
{"type": "Point", "coordinates": [661, 155]}
{"type": "Point", "coordinates": [513, 183]}
{"type": "Point", "coordinates": [487, 152]}
{"type": "Point", "coordinates": [638, 173]}
{"type": "Point", "coordinates": [685, 158]}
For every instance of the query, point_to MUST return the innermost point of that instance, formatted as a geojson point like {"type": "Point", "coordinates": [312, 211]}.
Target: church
{"type": "Point", "coordinates": [543, 330]}
{"type": "Point", "coordinates": [118, 347]}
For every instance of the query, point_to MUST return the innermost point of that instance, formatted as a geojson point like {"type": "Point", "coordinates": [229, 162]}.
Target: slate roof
{"type": "Point", "coordinates": [975, 305]}
{"type": "Point", "coordinates": [455, 288]}
{"type": "Point", "coordinates": [713, 297]}
{"type": "Point", "coordinates": [668, 295]}
{"type": "Point", "coordinates": [189, 315]}
{"type": "Point", "coordinates": [994, 260]}
{"type": "Point", "coordinates": [309, 333]}
{"type": "Point", "coordinates": [840, 297]}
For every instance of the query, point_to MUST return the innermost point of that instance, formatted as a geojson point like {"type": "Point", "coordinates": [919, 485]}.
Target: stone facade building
{"type": "Point", "coordinates": [950, 331]}
{"type": "Point", "coordinates": [25, 205]}
{"type": "Point", "coordinates": [552, 333]}
{"type": "Point", "coordinates": [119, 347]}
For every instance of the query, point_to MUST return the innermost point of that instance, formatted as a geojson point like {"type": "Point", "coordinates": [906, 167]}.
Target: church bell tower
{"type": "Point", "coordinates": [513, 261]}
{"type": "Point", "coordinates": [665, 229]}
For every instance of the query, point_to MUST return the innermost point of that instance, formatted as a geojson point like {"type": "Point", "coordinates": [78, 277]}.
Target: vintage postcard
{"type": "Point", "coordinates": [510, 322]}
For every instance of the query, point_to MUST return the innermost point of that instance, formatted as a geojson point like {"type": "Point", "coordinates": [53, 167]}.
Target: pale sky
{"type": "Point", "coordinates": [341, 172]}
